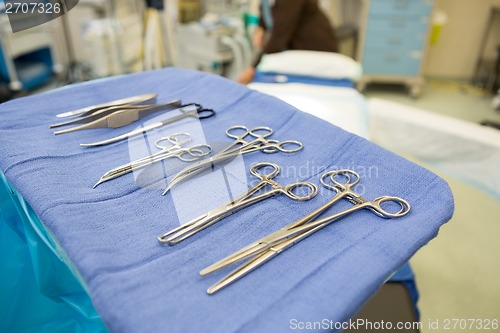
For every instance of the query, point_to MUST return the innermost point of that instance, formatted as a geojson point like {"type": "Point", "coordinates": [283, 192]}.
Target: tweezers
{"type": "Point", "coordinates": [124, 101]}
{"type": "Point", "coordinates": [117, 116]}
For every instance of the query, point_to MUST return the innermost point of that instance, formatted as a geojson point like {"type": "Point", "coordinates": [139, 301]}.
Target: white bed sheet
{"type": "Point", "coordinates": [343, 107]}
{"type": "Point", "coordinates": [463, 150]}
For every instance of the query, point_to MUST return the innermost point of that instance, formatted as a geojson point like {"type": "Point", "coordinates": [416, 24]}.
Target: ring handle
{"type": "Point", "coordinates": [281, 146]}
{"type": "Point", "coordinates": [232, 132]}
{"type": "Point", "coordinates": [376, 206]}
{"type": "Point", "coordinates": [352, 179]}
{"type": "Point", "coordinates": [174, 139]}
{"type": "Point", "coordinates": [261, 132]}
{"type": "Point", "coordinates": [200, 150]}
{"type": "Point", "coordinates": [205, 113]}
{"type": "Point", "coordinates": [257, 168]}
{"type": "Point", "coordinates": [186, 156]}
{"type": "Point", "coordinates": [194, 153]}
{"type": "Point", "coordinates": [313, 191]}
{"type": "Point", "coordinates": [198, 106]}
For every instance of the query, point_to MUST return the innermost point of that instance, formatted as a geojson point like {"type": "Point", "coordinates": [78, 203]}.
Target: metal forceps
{"type": "Point", "coordinates": [249, 198]}
{"type": "Point", "coordinates": [116, 116]}
{"type": "Point", "coordinates": [271, 245]}
{"type": "Point", "coordinates": [120, 102]}
{"type": "Point", "coordinates": [239, 146]}
{"type": "Point", "coordinates": [173, 149]}
{"type": "Point", "coordinates": [190, 110]}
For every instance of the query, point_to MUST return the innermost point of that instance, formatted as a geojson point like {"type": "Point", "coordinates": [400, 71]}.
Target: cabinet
{"type": "Point", "coordinates": [393, 42]}
{"type": "Point", "coordinates": [26, 57]}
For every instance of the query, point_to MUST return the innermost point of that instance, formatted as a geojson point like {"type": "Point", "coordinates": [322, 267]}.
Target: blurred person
{"type": "Point", "coordinates": [290, 25]}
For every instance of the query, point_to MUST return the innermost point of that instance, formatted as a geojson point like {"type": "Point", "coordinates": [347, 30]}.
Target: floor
{"type": "Point", "coordinates": [449, 98]}
{"type": "Point", "coordinates": [458, 273]}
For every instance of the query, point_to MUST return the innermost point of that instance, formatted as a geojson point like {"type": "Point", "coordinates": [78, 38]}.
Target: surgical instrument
{"type": "Point", "coordinates": [116, 116]}
{"type": "Point", "coordinates": [174, 149]}
{"type": "Point", "coordinates": [238, 147]}
{"type": "Point", "coordinates": [271, 245]}
{"type": "Point", "coordinates": [120, 102]}
{"type": "Point", "coordinates": [189, 110]}
{"type": "Point", "coordinates": [246, 199]}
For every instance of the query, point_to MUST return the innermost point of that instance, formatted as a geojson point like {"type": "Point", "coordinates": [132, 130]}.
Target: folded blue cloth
{"type": "Point", "coordinates": [266, 77]}
{"type": "Point", "coordinates": [138, 285]}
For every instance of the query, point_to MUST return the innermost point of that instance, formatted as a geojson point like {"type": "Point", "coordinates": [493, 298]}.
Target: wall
{"type": "Point", "coordinates": [456, 53]}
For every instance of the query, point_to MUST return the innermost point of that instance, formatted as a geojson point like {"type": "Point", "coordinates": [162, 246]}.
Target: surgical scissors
{"type": "Point", "coordinates": [249, 198]}
{"type": "Point", "coordinates": [174, 149]}
{"type": "Point", "coordinates": [190, 110]}
{"type": "Point", "coordinates": [116, 116]}
{"type": "Point", "coordinates": [271, 245]}
{"type": "Point", "coordinates": [134, 100]}
{"type": "Point", "coordinates": [239, 146]}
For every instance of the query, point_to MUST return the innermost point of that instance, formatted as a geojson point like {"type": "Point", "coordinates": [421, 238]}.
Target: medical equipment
{"type": "Point", "coordinates": [249, 198]}
{"type": "Point", "coordinates": [28, 59]}
{"type": "Point", "coordinates": [119, 102]}
{"type": "Point", "coordinates": [154, 49]}
{"type": "Point", "coordinates": [271, 245]}
{"type": "Point", "coordinates": [189, 110]}
{"type": "Point", "coordinates": [116, 116]}
{"type": "Point", "coordinates": [175, 149]}
{"type": "Point", "coordinates": [215, 45]}
{"type": "Point", "coordinates": [238, 147]}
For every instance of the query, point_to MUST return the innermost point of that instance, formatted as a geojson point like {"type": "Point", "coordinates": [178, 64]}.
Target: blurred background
{"type": "Point", "coordinates": [418, 77]}
{"type": "Point", "coordinates": [107, 37]}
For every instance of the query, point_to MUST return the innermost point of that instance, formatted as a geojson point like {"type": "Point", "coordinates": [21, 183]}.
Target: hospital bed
{"type": "Point", "coordinates": [308, 67]}
{"type": "Point", "coordinates": [319, 83]}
